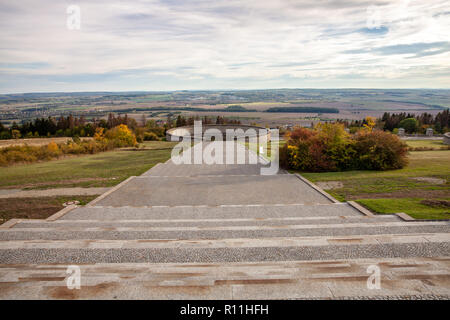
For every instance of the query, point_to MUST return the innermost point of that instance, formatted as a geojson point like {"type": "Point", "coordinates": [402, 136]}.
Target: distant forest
{"type": "Point", "coordinates": [303, 110]}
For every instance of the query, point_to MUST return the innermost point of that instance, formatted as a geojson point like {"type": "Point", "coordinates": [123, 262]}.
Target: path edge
{"type": "Point", "coordinates": [61, 212]}
{"type": "Point", "coordinates": [317, 188]}
{"type": "Point", "coordinates": [107, 193]}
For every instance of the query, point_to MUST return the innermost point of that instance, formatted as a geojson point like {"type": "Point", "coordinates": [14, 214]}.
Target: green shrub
{"type": "Point", "coordinates": [4, 135]}
{"type": "Point", "coordinates": [409, 124]}
{"type": "Point", "coordinates": [150, 136]}
{"type": "Point", "coordinates": [379, 150]}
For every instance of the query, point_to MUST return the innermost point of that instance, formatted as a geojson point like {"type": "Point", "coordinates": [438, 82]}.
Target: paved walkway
{"type": "Point", "coordinates": [223, 232]}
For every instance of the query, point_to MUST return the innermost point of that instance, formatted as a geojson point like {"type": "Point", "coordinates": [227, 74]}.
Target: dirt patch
{"type": "Point", "coordinates": [402, 194]}
{"type": "Point", "coordinates": [59, 182]}
{"type": "Point", "coordinates": [14, 193]}
{"type": "Point", "coordinates": [35, 208]}
{"type": "Point", "coordinates": [430, 180]}
{"type": "Point", "coordinates": [327, 185]}
{"type": "Point", "coordinates": [436, 203]}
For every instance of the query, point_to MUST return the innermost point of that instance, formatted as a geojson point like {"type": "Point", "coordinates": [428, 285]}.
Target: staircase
{"type": "Point", "coordinates": [222, 232]}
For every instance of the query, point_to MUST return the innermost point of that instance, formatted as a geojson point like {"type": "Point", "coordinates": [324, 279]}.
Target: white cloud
{"type": "Point", "coordinates": [158, 45]}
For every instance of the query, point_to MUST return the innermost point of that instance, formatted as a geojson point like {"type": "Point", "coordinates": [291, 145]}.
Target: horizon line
{"type": "Point", "coordinates": [213, 90]}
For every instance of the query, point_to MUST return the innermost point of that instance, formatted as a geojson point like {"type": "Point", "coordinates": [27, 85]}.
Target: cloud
{"type": "Point", "coordinates": [414, 50]}
{"type": "Point", "coordinates": [202, 44]}
{"type": "Point", "coordinates": [381, 30]}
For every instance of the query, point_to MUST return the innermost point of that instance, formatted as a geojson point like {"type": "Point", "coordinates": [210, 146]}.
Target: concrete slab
{"type": "Point", "coordinates": [213, 191]}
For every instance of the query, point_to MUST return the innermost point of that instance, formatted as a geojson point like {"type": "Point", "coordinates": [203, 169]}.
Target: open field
{"type": "Point", "coordinates": [426, 177]}
{"type": "Point", "coordinates": [427, 144]}
{"type": "Point", "coordinates": [100, 170]}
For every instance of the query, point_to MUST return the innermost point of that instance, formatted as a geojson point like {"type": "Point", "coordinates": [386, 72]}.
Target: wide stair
{"type": "Point", "coordinates": [222, 232]}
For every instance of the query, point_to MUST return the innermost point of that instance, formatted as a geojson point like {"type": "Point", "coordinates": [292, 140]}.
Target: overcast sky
{"type": "Point", "coordinates": [225, 44]}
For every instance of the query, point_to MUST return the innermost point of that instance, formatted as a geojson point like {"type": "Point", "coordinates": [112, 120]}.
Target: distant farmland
{"type": "Point", "coordinates": [234, 109]}
{"type": "Point", "coordinates": [303, 110]}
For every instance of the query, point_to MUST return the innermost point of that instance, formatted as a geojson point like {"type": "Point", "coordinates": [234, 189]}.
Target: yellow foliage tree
{"type": "Point", "coordinates": [122, 136]}
{"type": "Point", "coordinates": [371, 122]}
{"type": "Point", "coordinates": [99, 134]}
{"type": "Point", "coordinates": [52, 147]}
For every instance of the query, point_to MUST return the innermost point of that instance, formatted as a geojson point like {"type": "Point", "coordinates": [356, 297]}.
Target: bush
{"type": "Point", "coordinates": [53, 150]}
{"type": "Point", "coordinates": [328, 147]}
{"type": "Point", "coordinates": [379, 150]}
{"type": "Point", "coordinates": [3, 161]}
{"type": "Point", "coordinates": [15, 134]}
{"type": "Point", "coordinates": [409, 124]}
{"type": "Point", "coordinates": [150, 136]}
{"type": "Point", "coordinates": [121, 136]}
{"type": "Point", "coordinates": [139, 133]}
{"type": "Point", "coordinates": [5, 135]}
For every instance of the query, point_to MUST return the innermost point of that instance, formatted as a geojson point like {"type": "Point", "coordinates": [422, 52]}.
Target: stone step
{"type": "Point", "coordinates": [204, 222]}
{"type": "Point", "coordinates": [262, 280]}
{"type": "Point", "coordinates": [172, 170]}
{"type": "Point", "coordinates": [205, 212]}
{"type": "Point", "coordinates": [213, 191]}
{"type": "Point", "coordinates": [224, 250]}
{"type": "Point", "coordinates": [124, 233]}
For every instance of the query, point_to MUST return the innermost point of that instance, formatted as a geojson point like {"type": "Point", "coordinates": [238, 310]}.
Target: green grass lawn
{"type": "Point", "coordinates": [432, 144]}
{"type": "Point", "coordinates": [99, 170]}
{"type": "Point", "coordinates": [413, 181]}
{"type": "Point", "coordinates": [411, 206]}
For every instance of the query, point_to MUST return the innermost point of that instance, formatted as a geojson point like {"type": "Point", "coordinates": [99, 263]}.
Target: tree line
{"type": "Point", "coordinates": [411, 122]}
{"type": "Point", "coordinates": [63, 127]}
{"type": "Point", "coordinates": [440, 122]}
{"type": "Point", "coordinates": [189, 121]}
{"type": "Point", "coordinates": [71, 126]}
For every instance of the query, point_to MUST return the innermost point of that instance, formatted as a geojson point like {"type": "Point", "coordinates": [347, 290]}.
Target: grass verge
{"type": "Point", "coordinates": [427, 177]}
{"type": "Point", "coordinates": [411, 206]}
